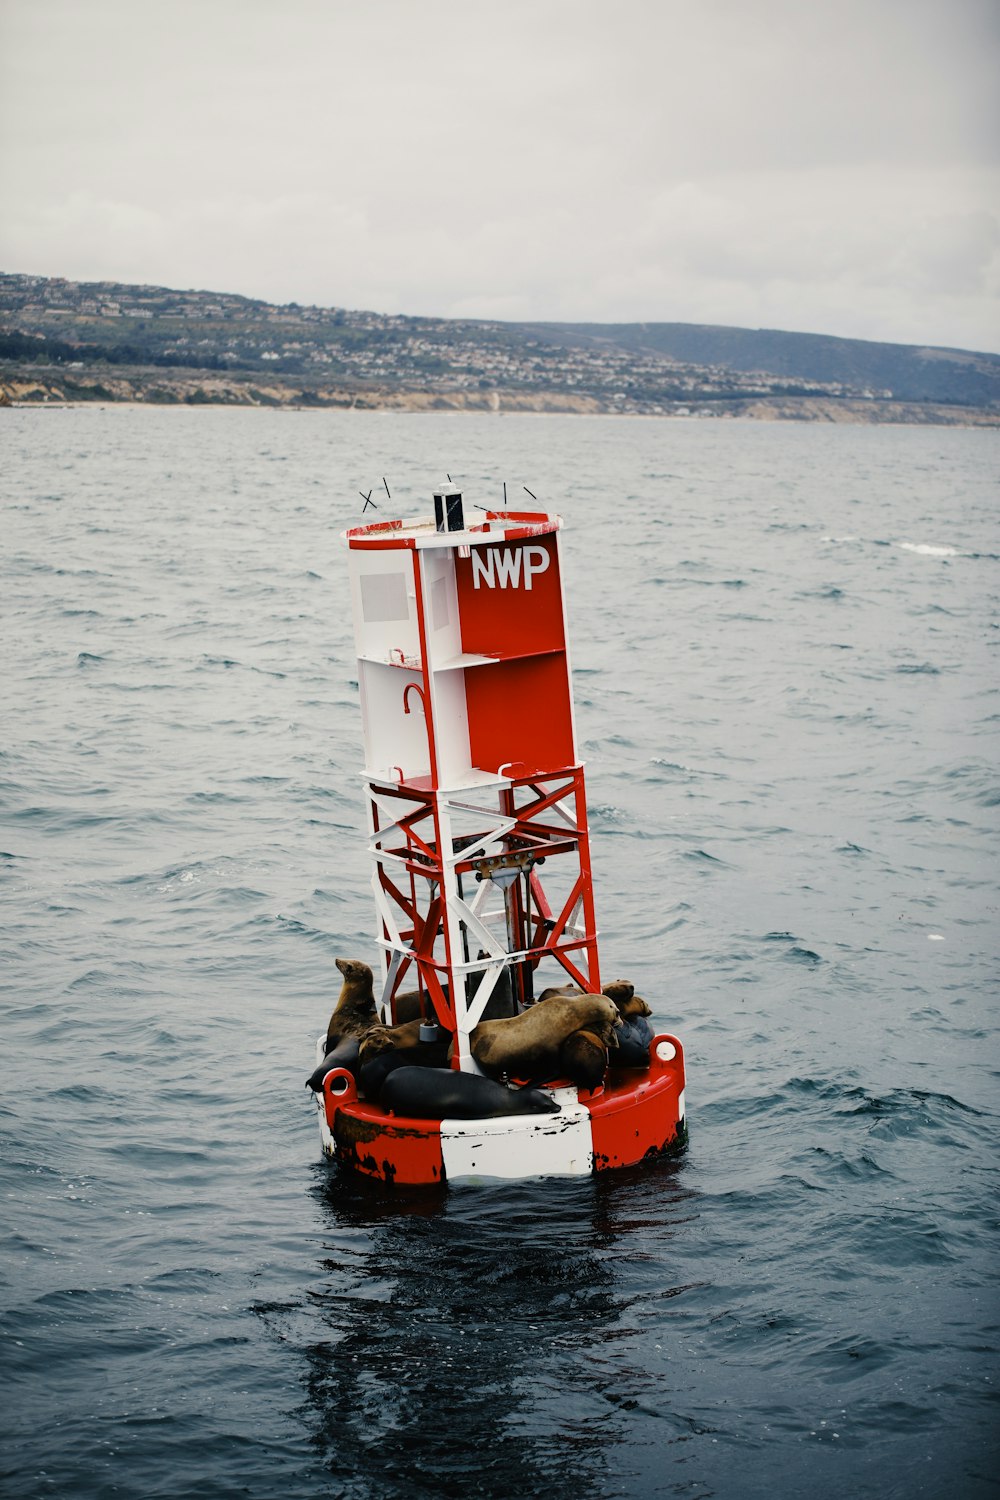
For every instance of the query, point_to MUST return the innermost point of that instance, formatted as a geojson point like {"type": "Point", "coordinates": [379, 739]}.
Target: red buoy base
{"type": "Point", "coordinates": [636, 1116]}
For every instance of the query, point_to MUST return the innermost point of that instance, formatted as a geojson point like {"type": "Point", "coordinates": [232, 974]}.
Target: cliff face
{"type": "Point", "coordinates": [195, 390]}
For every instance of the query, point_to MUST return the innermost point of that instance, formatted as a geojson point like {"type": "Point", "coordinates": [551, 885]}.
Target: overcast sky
{"type": "Point", "coordinates": [823, 165]}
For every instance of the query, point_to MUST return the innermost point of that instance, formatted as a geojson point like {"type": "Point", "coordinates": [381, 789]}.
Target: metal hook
{"type": "Point", "coordinates": [413, 687]}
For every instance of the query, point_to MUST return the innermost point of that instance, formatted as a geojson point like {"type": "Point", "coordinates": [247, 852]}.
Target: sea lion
{"type": "Point", "coordinates": [559, 989]}
{"type": "Point", "coordinates": [405, 1040]}
{"type": "Point", "coordinates": [344, 1055]}
{"type": "Point", "coordinates": [373, 1074]}
{"type": "Point", "coordinates": [583, 1059]}
{"type": "Point", "coordinates": [355, 1008]}
{"type": "Point", "coordinates": [621, 991]}
{"type": "Point", "coordinates": [527, 1046]}
{"type": "Point", "coordinates": [408, 1005]}
{"type": "Point", "coordinates": [628, 1002]}
{"type": "Point", "coordinates": [633, 1043]}
{"type": "Point", "coordinates": [636, 1033]}
{"type": "Point", "coordinates": [444, 1094]}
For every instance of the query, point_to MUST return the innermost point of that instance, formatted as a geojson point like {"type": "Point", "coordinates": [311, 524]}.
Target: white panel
{"type": "Point", "coordinates": [441, 621]}
{"type": "Point", "coordinates": [384, 605]}
{"type": "Point", "coordinates": [521, 1145]}
{"type": "Point", "coordinates": [383, 597]}
{"type": "Point", "coordinates": [451, 720]}
{"type": "Point", "coordinates": [392, 737]}
{"type": "Point", "coordinates": [441, 611]}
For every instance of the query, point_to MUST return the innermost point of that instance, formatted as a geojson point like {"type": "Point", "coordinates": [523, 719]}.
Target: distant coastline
{"type": "Point", "coordinates": [64, 342]}
{"type": "Point", "coordinates": [53, 391]}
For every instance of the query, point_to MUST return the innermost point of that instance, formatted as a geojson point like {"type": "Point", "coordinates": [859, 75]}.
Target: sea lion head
{"type": "Point", "coordinates": [353, 969]}
{"type": "Point", "coordinates": [373, 1042]}
{"type": "Point", "coordinates": [628, 1002]}
{"type": "Point", "coordinates": [603, 1019]}
{"type": "Point", "coordinates": [537, 1102]}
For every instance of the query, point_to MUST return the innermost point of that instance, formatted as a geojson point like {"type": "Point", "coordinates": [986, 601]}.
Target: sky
{"type": "Point", "coordinates": [829, 166]}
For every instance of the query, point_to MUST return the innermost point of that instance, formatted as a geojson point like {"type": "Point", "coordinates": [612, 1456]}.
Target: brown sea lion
{"type": "Point", "coordinates": [355, 1009]}
{"type": "Point", "coordinates": [559, 989]}
{"type": "Point", "coordinates": [527, 1046]}
{"type": "Point", "coordinates": [621, 991]}
{"type": "Point", "coordinates": [630, 1005]}
{"type": "Point", "coordinates": [583, 1059]}
{"type": "Point", "coordinates": [404, 1039]}
{"type": "Point", "coordinates": [408, 1005]}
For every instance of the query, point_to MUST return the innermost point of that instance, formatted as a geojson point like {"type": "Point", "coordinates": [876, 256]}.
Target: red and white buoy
{"type": "Point", "coordinates": [477, 824]}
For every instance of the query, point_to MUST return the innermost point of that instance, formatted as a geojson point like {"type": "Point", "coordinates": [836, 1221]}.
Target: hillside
{"type": "Point", "coordinates": [75, 341]}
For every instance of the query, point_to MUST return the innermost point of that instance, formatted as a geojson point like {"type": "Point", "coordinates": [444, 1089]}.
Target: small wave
{"type": "Point", "coordinates": [687, 773]}
{"type": "Point", "coordinates": [928, 549]}
{"type": "Point", "coordinates": [607, 813]}
{"type": "Point", "coordinates": [798, 955]}
{"type": "Point", "coordinates": [919, 669]}
{"type": "Point", "coordinates": [702, 855]}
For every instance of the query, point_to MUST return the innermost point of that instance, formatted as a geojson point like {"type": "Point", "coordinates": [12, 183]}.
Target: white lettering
{"type": "Point", "coordinates": [508, 566]}
{"type": "Point", "coordinates": [503, 564]}
{"type": "Point", "coordinates": [482, 567]}
{"type": "Point", "coordinates": [538, 567]}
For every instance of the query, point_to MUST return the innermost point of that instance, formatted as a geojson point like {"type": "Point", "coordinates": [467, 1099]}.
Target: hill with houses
{"type": "Point", "coordinates": [107, 341]}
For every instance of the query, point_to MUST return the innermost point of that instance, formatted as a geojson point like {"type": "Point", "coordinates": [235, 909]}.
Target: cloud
{"type": "Point", "coordinates": [826, 168]}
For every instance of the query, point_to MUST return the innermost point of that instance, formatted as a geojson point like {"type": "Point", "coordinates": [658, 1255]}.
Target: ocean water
{"type": "Point", "coordinates": [785, 644]}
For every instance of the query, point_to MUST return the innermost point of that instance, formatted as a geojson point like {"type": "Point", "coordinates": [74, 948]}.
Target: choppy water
{"type": "Point", "coordinates": [786, 642]}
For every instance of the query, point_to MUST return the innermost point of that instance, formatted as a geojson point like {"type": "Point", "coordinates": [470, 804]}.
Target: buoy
{"type": "Point", "coordinates": [477, 816]}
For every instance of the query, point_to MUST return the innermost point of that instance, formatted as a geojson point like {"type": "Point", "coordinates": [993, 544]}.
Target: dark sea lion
{"type": "Point", "coordinates": [633, 1043]}
{"type": "Point", "coordinates": [355, 1008]}
{"type": "Point", "coordinates": [444, 1094]}
{"type": "Point", "coordinates": [344, 1055]}
{"type": "Point", "coordinates": [372, 1075]}
{"type": "Point", "coordinates": [527, 1046]}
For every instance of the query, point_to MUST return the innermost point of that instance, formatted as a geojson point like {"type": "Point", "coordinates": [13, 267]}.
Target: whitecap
{"type": "Point", "coordinates": [926, 549]}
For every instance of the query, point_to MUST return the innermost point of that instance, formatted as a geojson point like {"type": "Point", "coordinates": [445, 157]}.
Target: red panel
{"type": "Point", "coordinates": [631, 1120]}
{"type": "Point", "coordinates": [510, 598]}
{"type": "Point", "coordinates": [519, 712]}
{"type": "Point", "coordinates": [387, 1146]}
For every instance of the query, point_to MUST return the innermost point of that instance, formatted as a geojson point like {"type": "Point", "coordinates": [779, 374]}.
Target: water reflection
{"type": "Point", "coordinates": [456, 1333]}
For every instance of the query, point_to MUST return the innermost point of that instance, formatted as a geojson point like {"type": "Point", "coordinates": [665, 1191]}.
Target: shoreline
{"type": "Point", "coordinates": [902, 416]}
{"type": "Point", "coordinates": [21, 391]}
